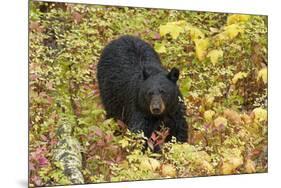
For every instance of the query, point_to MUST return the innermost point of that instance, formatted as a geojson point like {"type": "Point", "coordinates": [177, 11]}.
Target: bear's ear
{"type": "Point", "coordinates": [145, 74]}
{"type": "Point", "coordinates": [173, 75]}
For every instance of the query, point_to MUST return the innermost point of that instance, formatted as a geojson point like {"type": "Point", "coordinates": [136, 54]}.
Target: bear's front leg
{"type": "Point", "coordinates": [181, 134]}
{"type": "Point", "coordinates": [181, 125]}
{"type": "Point", "coordinates": [137, 122]}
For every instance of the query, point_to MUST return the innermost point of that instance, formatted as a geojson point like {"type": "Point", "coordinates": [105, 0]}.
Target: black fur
{"type": "Point", "coordinates": [128, 70]}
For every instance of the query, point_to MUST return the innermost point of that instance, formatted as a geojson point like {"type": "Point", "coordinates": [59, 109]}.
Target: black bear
{"type": "Point", "coordinates": [137, 89]}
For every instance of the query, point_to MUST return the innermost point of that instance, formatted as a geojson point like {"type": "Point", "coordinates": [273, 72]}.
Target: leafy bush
{"type": "Point", "coordinates": [223, 62]}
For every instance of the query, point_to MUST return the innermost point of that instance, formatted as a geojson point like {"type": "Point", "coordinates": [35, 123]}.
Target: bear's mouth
{"type": "Point", "coordinates": [157, 106]}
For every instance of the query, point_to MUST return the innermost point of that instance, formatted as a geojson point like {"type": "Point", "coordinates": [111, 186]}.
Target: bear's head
{"type": "Point", "coordinates": [159, 93]}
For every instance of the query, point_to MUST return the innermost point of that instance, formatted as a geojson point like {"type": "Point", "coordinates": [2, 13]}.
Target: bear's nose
{"type": "Point", "coordinates": [156, 110]}
{"type": "Point", "coordinates": [156, 106]}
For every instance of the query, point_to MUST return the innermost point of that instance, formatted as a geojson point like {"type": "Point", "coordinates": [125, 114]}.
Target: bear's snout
{"type": "Point", "coordinates": [157, 105]}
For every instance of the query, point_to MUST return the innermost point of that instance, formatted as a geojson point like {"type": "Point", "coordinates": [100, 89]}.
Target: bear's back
{"type": "Point", "coordinates": [120, 71]}
{"type": "Point", "coordinates": [129, 51]}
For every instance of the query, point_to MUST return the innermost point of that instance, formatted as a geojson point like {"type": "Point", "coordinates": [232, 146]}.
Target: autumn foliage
{"type": "Point", "coordinates": [223, 62]}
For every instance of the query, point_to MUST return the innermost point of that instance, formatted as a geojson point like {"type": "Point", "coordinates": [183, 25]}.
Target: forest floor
{"type": "Point", "coordinates": [223, 64]}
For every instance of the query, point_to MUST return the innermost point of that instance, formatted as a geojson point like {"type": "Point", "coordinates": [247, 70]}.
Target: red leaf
{"type": "Point", "coordinates": [118, 158]}
{"type": "Point", "coordinates": [43, 161]}
{"type": "Point", "coordinates": [154, 136]}
{"type": "Point", "coordinates": [77, 17]}
{"type": "Point", "coordinates": [157, 36]}
{"type": "Point", "coordinates": [98, 132]}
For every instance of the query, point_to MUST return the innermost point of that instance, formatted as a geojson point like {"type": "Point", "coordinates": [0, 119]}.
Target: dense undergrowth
{"type": "Point", "coordinates": [223, 63]}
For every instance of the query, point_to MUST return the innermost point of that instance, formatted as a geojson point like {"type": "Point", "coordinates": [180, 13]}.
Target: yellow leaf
{"type": "Point", "coordinates": [155, 164]}
{"type": "Point", "coordinates": [237, 18]}
{"type": "Point", "coordinates": [196, 33]}
{"type": "Point", "coordinates": [201, 46]}
{"type": "Point", "coordinates": [160, 48]}
{"type": "Point", "coordinates": [172, 28]}
{"type": "Point", "coordinates": [124, 143]}
{"type": "Point", "coordinates": [144, 164]}
{"type": "Point", "coordinates": [262, 75]}
{"type": "Point", "coordinates": [207, 166]}
{"type": "Point", "coordinates": [232, 30]}
{"type": "Point", "coordinates": [238, 76]}
{"type": "Point", "coordinates": [150, 164]}
{"type": "Point", "coordinates": [232, 159]}
{"type": "Point", "coordinates": [208, 115]}
{"type": "Point", "coordinates": [215, 55]}
{"type": "Point", "coordinates": [220, 38]}
{"type": "Point", "coordinates": [260, 114]}
{"type": "Point", "coordinates": [165, 29]}
{"type": "Point", "coordinates": [209, 99]}
{"type": "Point", "coordinates": [220, 121]}
{"type": "Point", "coordinates": [230, 166]}
{"type": "Point", "coordinates": [168, 170]}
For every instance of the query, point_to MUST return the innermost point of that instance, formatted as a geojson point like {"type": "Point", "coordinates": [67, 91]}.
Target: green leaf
{"type": "Point", "coordinates": [185, 86]}
{"type": "Point", "coordinates": [160, 47]}
{"type": "Point", "coordinates": [97, 112]}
